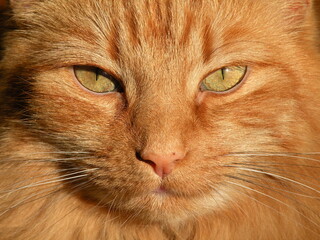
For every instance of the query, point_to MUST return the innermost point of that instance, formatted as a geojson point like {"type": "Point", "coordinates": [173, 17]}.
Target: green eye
{"type": "Point", "coordinates": [96, 80]}
{"type": "Point", "coordinates": [224, 79]}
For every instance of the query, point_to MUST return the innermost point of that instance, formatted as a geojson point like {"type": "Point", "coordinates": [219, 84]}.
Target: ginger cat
{"type": "Point", "coordinates": [171, 119]}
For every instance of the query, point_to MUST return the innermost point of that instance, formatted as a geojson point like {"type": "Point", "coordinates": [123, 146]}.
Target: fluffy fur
{"type": "Point", "coordinates": [70, 164]}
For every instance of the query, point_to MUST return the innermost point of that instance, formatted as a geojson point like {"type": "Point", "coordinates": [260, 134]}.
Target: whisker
{"type": "Point", "coordinates": [280, 189]}
{"type": "Point", "coordinates": [110, 207]}
{"type": "Point", "coordinates": [266, 205]}
{"type": "Point", "coordinates": [275, 199]}
{"type": "Point", "coordinates": [222, 197]}
{"type": "Point", "coordinates": [76, 189]}
{"type": "Point", "coordinates": [52, 180]}
{"type": "Point", "coordinates": [266, 163]}
{"type": "Point", "coordinates": [99, 205]}
{"type": "Point", "coordinates": [59, 152]}
{"type": "Point", "coordinates": [273, 170]}
{"type": "Point", "coordinates": [291, 155]}
{"type": "Point", "coordinates": [132, 216]}
{"type": "Point", "coordinates": [46, 174]}
{"type": "Point", "coordinates": [279, 176]}
{"type": "Point", "coordinates": [25, 200]}
{"type": "Point", "coordinates": [254, 190]}
{"type": "Point", "coordinates": [283, 153]}
{"type": "Point", "coordinates": [45, 160]}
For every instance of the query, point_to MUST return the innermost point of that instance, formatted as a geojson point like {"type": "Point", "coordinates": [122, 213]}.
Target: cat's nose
{"type": "Point", "coordinates": [162, 163]}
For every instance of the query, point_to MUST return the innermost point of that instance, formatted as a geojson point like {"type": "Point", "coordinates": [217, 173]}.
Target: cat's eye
{"type": "Point", "coordinates": [224, 79]}
{"type": "Point", "coordinates": [96, 80]}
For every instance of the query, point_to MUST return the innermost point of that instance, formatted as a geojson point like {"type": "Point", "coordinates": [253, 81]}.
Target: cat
{"type": "Point", "coordinates": [173, 119]}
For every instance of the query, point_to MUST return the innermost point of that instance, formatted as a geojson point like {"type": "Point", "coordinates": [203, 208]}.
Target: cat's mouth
{"type": "Point", "coordinates": [160, 190]}
{"type": "Point", "coordinates": [177, 190]}
{"type": "Point", "coordinates": [163, 191]}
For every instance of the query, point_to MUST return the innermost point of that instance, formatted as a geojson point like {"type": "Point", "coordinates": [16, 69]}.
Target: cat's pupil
{"type": "Point", "coordinates": [222, 72]}
{"type": "Point", "coordinates": [96, 80]}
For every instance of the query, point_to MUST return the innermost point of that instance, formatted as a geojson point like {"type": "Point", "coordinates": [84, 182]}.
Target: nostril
{"type": "Point", "coordinates": [149, 162]}
{"type": "Point", "coordinates": [138, 156]}
{"type": "Point", "coordinates": [162, 164]}
{"type": "Point", "coordinates": [152, 164]}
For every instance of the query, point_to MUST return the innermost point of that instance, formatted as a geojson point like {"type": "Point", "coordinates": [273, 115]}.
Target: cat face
{"type": "Point", "coordinates": [162, 135]}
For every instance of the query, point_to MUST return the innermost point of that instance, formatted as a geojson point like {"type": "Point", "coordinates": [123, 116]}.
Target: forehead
{"type": "Point", "coordinates": [144, 34]}
{"type": "Point", "coordinates": [159, 28]}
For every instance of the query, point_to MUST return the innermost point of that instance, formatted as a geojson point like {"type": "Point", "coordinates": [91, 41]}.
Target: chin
{"type": "Point", "coordinates": [168, 208]}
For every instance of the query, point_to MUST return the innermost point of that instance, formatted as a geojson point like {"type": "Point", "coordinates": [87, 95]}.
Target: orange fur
{"type": "Point", "coordinates": [69, 163]}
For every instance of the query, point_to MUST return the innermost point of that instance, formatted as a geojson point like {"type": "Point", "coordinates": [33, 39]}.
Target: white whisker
{"type": "Point", "coordinates": [260, 202]}
{"type": "Point", "coordinates": [76, 189]}
{"type": "Point", "coordinates": [270, 164]}
{"type": "Point", "coordinates": [272, 170]}
{"type": "Point", "coordinates": [276, 188]}
{"type": "Point", "coordinates": [52, 180]}
{"type": "Point", "coordinates": [45, 160]}
{"type": "Point", "coordinates": [275, 199]}
{"type": "Point", "coordinates": [46, 174]}
{"type": "Point", "coordinates": [25, 200]}
{"type": "Point", "coordinates": [292, 155]}
{"type": "Point", "coordinates": [279, 176]}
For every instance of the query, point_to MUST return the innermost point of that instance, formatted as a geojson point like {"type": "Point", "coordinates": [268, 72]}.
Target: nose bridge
{"type": "Point", "coordinates": [161, 121]}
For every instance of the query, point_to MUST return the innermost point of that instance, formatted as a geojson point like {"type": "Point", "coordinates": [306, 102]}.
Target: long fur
{"type": "Point", "coordinates": [70, 166]}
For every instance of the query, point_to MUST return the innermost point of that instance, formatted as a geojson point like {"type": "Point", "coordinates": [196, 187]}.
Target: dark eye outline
{"type": "Point", "coordinates": [239, 83]}
{"type": "Point", "coordinates": [98, 71]}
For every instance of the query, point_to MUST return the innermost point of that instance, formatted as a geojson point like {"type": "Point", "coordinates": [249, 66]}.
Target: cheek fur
{"type": "Point", "coordinates": [80, 165]}
{"type": "Point", "coordinates": [60, 98]}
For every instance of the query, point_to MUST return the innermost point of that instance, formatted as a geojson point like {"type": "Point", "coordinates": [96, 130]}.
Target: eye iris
{"type": "Point", "coordinates": [94, 80]}
{"type": "Point", "coordinates": [224, 79]}
{"type": "Point", "coordinates": [103, 84]}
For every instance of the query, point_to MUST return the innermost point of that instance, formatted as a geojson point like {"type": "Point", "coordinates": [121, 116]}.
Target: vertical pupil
{"type": "Point", "coordinates": [222, 73]}
{"type": "Point", "coordinates": [97, 73]}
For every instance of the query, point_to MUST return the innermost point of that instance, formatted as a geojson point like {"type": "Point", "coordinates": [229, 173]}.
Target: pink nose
{"type": "Point", "coordinates": [162, 164]}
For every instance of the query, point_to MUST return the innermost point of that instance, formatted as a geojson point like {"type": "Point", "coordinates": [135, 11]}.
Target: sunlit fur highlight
{"type": "Point", "coordinates": [69, 158]}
